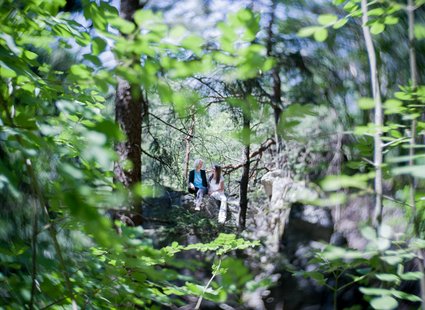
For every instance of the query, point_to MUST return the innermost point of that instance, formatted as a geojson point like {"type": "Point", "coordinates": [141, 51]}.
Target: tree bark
{"type": "Point", "coordinates": [128, 114]}
{"type": "Point", "coordinates": [188, 141]}
{"type": "Point", "coordinates": [277, 89]}
{"type": "Point", "coordinates": [376, 92]}
{"type": "Point", "coordinates": [243, 202]}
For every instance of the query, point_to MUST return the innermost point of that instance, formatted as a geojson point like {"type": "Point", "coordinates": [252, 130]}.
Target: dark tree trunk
{"type": "Point", "coordinates": [277, 89]}
{"type": "Point", "coordinates": [128, 7]}
{"type": "Point", "coordinates": [243, 203]}
{"type": "Point", "coordinates": [277, 107]}
{"type": "Point", "coordinates": [188, 141]}
{"type": "Point", "coordinates": [128, 114]}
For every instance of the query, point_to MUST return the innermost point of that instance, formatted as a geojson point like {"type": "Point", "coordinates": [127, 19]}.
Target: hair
{"type": "Point", "coordinates": [196, 163]}
{"type": "Point", "coordinates": [217, 173]}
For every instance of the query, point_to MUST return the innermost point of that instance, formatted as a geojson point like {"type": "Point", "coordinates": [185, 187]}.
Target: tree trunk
{"type": "Point", "coordinates": [188, 140]}
{"type": "Point", "coordinates": [128, 115]}
{"type": "Point", "coordinates": [376, 92]}
{"type": "Point", "coordinates": [277, 89]}
{"type": "Point", "coordinates": [243, 202]}
{"type": "Point", "coordinates": [128, 7]}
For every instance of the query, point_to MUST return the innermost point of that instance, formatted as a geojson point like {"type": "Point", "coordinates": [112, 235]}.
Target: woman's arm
{"type": "Point", "coordinates": [221, 189]}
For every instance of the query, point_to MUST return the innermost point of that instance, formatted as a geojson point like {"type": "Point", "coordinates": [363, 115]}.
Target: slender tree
{"type": "Point", "coordinates": [378, 119]}
{"type": "Point", "coordinates": [188, 141]}
{"type": "Point", "coordinates": [276, 83]}
{"type": "Point", "coordinates": [246, 137]}
{"type": "Point", "coordinates": [243, 202]}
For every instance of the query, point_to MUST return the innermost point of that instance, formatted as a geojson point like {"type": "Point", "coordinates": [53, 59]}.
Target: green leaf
{"type": "Point", "coordinates": [340, 23]}
{"type": "Point", "coordinates": [336, 182]}
{"type": "Point", "coordinates": [392, 260]}
{"type": "Point", "coordinates": [326, 19]}
{"type": "Point", "coordinates": [141, 17]}
{"type": "Point", "coordinates": [388, 277]}
{"type": "Point", "coordinates": [376, 12]}
{"type": "Point", "coordinates": [92, 58]}
{"type": "Point", "coordinates": [177, 32]}
{"type": "Point", "coordinates": [318, 276]}
{"type": "Point", "coordinates": [351, 7]}
{"type": "Point", "coordinates": [384, 303]}
{"type": "Point", "coordinates": [403, 96]}
{"type": "Point", "coordinates": [418, 244]}
{"type": "Point", "coordinates": [393, 106]}
{"type": "Point", "coordinates": [368, 233]}
{"type": "Point", "coordinates": [366, 103]}
{"type": "Point", "coordinates": [307, 31]}
{"type": "Point", "coordinates": [30, 55]}
{"type": "Point", "coordinates": [377, 28]}
{"type": "Point", "coordinates": [193, 43]}
{"type": "Point", "coordinates": [321, 34]}
{"type": "Point", "coordinates": [375, 291]}
{"type": "Point", "coordinates": [123, 25]}
{"type": "Point", "coordinates": [416, 171]}
{"type": "Point", "coordinates": [391, 20]}
{"type": "Point", "coordinates": [406, 296]}
{"type": "Point", "coordinates": [419, 31]}
{"type": "Point", "coordinates": [98, 45]}
{"type": "Point", "coordinates": [6, 71]}
{"type": "Point", "coordinates": [412, 276]}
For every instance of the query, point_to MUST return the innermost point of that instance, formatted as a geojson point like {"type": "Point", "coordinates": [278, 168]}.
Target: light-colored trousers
{"type": "Point", "coordinates": [223, 206]}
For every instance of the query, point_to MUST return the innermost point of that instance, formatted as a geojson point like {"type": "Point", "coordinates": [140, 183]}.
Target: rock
{"type": "Point", "coordinates": [282, 193]}
{"type": "Point", "coordinates": [305, 227]}
{"type": "Point", "coordinates": [211, 207]}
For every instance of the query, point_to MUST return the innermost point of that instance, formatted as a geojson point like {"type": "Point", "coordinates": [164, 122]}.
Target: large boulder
{"type": "Point", "coordinates": [282, 192]}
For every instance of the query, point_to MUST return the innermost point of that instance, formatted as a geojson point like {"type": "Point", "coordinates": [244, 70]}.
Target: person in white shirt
{"type": "Point", "coordinates": [216, 190]}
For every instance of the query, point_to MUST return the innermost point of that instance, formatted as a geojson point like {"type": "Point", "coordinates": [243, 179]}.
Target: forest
{"type": "Point", "coordinates": [212, 154]}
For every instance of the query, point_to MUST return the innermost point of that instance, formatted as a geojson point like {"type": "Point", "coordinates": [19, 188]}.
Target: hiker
{"type": "Point", "coordinates": [216, 190]}
{"type": "Point", "coordinates": [198, 184]}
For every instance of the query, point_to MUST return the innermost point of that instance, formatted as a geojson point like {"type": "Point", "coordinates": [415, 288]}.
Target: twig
{"type": "Point", "coordinates": [156, 158]}
{"type": "Point", "coordinates": [53, 303]}
{"type": "Point", "coordinates": [198, 304]}
{"type": "Point", "coordinates": [394, 141]}
{"type": "Point", "coordinates": [264, 146]}
{"type": "Point", "coordinates": [168, 124]}
{"type": "Point", "coordinates": [368, 161]}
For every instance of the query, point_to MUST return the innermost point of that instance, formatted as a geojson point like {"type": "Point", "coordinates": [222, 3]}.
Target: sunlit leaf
{"type": "Point", "coordinates": [384, 303]}
{"type": "Point", "coordinates": [377, 28]}
{"type": "Point", "coordinates": [321, 35]}
{"type": "Point", "coordinates": [307, 31]}
{"type": "Point", "coordinates": [123, 25]}
{"type": "Point", "coordinates": [340, 23]}
{"type": "Point", "coordinates": [326, 19]}
{"type": "Point", "coordinates": [98, 45]}
{"type": "Point", "coordinates": [366, 103]}
{"type": "Point", "coordinates": [388, 277]}
{"type": "Point", "coordinates": [419, 31]}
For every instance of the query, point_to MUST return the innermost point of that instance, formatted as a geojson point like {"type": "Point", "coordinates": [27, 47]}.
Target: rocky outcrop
{"type": "Point", "coordinates": [210, 207]}
{"type": "Point", "coordinates": [282, 193]}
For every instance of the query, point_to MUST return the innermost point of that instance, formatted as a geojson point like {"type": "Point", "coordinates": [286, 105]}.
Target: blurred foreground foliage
{"type": "Point", "coordinates": [57, 245]}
